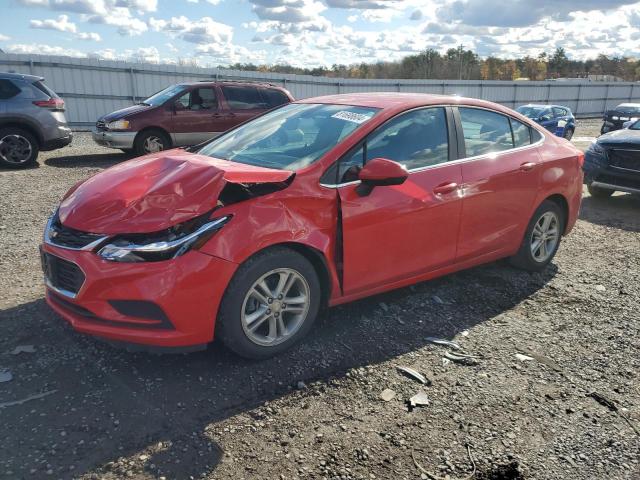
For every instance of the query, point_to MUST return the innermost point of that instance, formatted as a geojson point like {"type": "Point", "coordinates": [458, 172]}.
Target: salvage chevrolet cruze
{"type": "Point", "coordinates": [314, 204]}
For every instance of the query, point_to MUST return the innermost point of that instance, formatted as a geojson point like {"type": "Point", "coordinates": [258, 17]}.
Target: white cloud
{"type": "Point", "coordinates": [202, 31]}
{"type": "Point", "coordinates": [4, 38]}
{"type": "Point", "coordinates": [212, 2]}
{"type": "Point", "coordinates": [62, 24]}
{"type": "Point", "coordinates": [91, 36]}
{"type": "Point", "coordinates": [121, 17]}
{"type": "Point", "coordinates": [44, 50]}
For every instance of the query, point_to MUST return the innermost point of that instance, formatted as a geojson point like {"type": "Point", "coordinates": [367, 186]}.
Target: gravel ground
{"type": "Point", "coordinates": [569, 409]}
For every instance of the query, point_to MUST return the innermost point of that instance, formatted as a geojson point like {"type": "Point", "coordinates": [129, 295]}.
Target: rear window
{"type": "Point", "coordinates": [485, 131]}
{"type": "Point", "coordinates": [243, 98]}
{"type": "Point", "coordinates": [8, 89]}
{"type": "Point", "coordinates": [274, 98]}
{"type": "Point", "coordinates": [44, 89]}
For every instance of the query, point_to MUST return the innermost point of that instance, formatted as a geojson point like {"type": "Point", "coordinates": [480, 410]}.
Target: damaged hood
{"type": "Point", "coordinates": [155, 192]}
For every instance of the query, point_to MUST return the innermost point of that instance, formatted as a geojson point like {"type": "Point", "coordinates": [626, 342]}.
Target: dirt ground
{"type": "Point", "coordinates": [568, 409]}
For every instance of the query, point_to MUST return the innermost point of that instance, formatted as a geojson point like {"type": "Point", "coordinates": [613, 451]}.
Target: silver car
{"type": "Point", "coordinates": [31, 119]}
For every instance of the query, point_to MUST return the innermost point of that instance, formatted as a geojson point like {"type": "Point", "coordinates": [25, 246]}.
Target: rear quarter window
{"type": "Point", "coordinates": [44, 89]}
{"type": "Point", "coordinates": [8, 89]}
{"type": "Point", "coordinates": [274, 98]}
{"type": "Point", "coordinates": [243, 97]}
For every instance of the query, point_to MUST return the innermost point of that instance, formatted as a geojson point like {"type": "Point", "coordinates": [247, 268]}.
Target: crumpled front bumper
{"type": "Point", "coordinates": [121, 140]}
{"type": "Point", "coordinates": [172, 303]}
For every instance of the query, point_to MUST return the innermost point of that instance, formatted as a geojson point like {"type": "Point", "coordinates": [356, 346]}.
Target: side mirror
{"type": "Point", "coordinates": [545, 118]}
{"type": "Point", "coordinates": [380, 172]}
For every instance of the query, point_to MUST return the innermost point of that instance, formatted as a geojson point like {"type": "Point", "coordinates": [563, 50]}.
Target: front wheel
{"type": "Point", "coordinates": [599, 192]}
{"type": "Point", "coordinates": [542, 239]}
{"type": "Point", "coordinates": [151, 141]}
{"type": "Point", "coordinates": [270, 304]}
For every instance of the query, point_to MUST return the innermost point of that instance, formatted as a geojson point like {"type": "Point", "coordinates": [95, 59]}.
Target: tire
{"type": "Point", "coordinates": [18, 148]}
{"type": "Point", "coordinates": [144, 142]}
{"type": "Point", "coordinates": [529, 258]}
{"type": "Point", "coordinates": [598, 192]}
{"type": "Point", "coordinates": [239, 309]}
{"type": "Point", "coordinates": [568, 133]}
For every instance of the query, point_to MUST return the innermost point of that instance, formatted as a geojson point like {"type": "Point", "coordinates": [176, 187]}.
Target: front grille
{"type": "Point", "coordinates": [626, 159]}
{"type": "Point", "coordinates": [61, 274]}
{"type": "Point", "coordinates": [66, 237]}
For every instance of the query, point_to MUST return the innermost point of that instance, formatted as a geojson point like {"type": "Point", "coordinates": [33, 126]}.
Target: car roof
{"type": "Point", "coordinates": [629, 105]}
{"type": "Point", "coordinates": [19, 76]}
{"type": "Point", "coordinates": [545, 105]}
{"type": "Point", "coordinates": [233, 82]}
{"type": "Point", "coordinates": [400, 101]}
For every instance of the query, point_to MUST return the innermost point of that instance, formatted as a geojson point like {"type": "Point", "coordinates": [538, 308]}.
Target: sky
{"type": "Point", "coordinates": [311, 33]}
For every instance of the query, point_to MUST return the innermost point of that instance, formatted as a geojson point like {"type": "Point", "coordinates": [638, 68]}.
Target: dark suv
{"type": "Point", "coordinates": [31, 119]}
{"type": "Point", "coordinates": [186, 114]}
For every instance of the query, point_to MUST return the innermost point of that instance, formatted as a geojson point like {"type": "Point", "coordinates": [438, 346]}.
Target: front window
{"type": "Point", "coordinates": [291, 137]}
{"type": "Point", "coordinates": [163, 95]}
{"type": "Point", "coordinates": [635, 126]}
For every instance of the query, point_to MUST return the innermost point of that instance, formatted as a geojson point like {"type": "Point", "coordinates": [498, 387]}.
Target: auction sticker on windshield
{"type": "Point", "coordinates": [351, 116]}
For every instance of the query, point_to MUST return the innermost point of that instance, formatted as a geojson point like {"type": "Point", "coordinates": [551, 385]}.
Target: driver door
{"type": "Point", "coordinates": [397, 232]}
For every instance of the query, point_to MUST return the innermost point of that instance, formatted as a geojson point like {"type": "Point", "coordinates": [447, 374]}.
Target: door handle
{"type": "Point", "coordinates": [525, 167]}
{"type": "Point", "coordinates": [222, 115]}
{"type": "Point", "coordinates": [445, 188]}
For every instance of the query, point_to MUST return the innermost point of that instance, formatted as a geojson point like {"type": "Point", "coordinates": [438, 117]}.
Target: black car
{"type": "Point", "coordinates": [612, 162]}
{"type": "Point", "coordinates": [616, 118]}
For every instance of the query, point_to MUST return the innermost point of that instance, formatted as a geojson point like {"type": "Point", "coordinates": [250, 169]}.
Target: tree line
{"type": "Point", "coordinates": [463, 64]}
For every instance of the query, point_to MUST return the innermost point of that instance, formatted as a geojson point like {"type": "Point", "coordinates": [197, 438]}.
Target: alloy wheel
{"type": "Point", "coordinates": [545, 237]}
{"type": "Point", "coordinates": [15, 149]}
{"type": "Point", "coordinates": [275, 307]}
{"type": "Point", "coordinates": [153, 144]}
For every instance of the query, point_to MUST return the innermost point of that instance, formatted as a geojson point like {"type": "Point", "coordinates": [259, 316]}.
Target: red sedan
{"type": "Point", "coordinates": [319, 202]}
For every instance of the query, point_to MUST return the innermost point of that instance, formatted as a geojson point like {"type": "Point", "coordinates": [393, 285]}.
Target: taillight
{"type": "Point", "coordinates": [51, 104]}
{"type": "Point", "coordinates": [581, 159]}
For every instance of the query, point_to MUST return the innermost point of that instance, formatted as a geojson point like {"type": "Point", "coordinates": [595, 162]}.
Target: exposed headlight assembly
{"type": "Point", "coordinates": [118, 125]}
{"type": "Point", "coordinates": [165, 245]}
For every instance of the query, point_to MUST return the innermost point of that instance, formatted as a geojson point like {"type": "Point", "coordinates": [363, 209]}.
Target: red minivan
{"type": "Point", "coordinates": [186, 114]}
{"type": "Point", "coordinates": [316, 203]}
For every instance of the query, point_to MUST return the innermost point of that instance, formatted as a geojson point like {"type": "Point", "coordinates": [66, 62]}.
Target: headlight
{"type": "Point", "coordinates": [615, 117]}
{"type": "Point", "coordinates": [118, 125]}
{"type": "Point", "coordinates": [596, 148]}
{"type": "Point", "coordinates": [170, 243]}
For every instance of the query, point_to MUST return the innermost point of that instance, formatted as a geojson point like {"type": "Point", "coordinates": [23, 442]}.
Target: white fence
{"type": "Point", "coordinates": [93, 87]}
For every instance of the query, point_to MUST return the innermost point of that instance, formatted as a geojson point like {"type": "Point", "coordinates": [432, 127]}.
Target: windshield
{"type": "Point", "coordinates": [291, 137]}
{"type": "Point", "coordinates": [635, 125]}
{"type": "Point", "coordinates": [530, 112]}
{"type": "Point", "coordinates": [163, 95]}
{"type": "Point", "coordinates": [626, 108]}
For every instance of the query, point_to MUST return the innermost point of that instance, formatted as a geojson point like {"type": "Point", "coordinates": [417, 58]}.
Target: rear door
{"type": "Point", "coordinates": [243, 103]}
{"type": "Point", "coordinates": [500, 177]}
{"type": "Point", "coordinates": [397, 232]}
{"type": "Point", "coordinates": [198, 116]}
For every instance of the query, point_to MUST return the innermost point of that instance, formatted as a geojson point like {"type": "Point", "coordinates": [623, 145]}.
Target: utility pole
{"type": "Point", "coordinates": [460, 49]}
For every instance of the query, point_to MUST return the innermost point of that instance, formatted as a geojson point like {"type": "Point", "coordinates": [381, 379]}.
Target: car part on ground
{"type": "Point", "coordinates": [612, 162]}
{"type": "Point", "coordinates": [186, 114]}
{"type": "Point", "coordinates": [31, 119]}
{"type": "Point", "coordinates": [616, 118]}
{"type": "Point", "coordinates": [306, 187]}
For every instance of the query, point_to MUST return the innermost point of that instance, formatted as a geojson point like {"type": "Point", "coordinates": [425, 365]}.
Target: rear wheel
{"type": "Point", "coordinates": [18, 148]}
{"type": "Point", "coordinates": [599, 192]}
{"type": "Point", "coordinates": [568, 133]}
{"type": "Point", "coordinates": [542, 238]}
{"type": "Point", "coordinates": [270, 304]}
{"type": "Point", "coordinates": [151, 141]}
